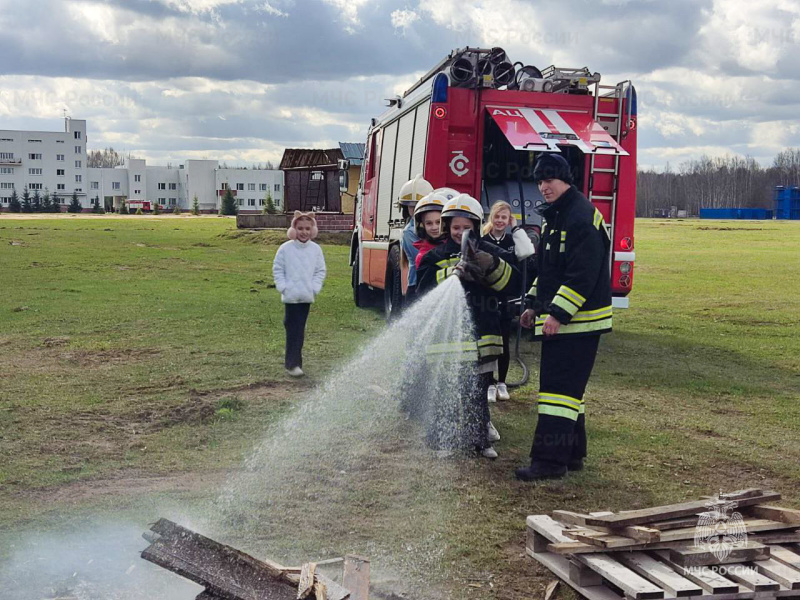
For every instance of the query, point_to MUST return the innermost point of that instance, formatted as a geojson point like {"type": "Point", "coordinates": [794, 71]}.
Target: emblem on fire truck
{"type": "Point", "coordinates": [458, 165]}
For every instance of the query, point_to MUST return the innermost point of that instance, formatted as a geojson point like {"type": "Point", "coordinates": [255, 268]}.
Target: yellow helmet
{"type": "Point", "coordinates": [413, 191]}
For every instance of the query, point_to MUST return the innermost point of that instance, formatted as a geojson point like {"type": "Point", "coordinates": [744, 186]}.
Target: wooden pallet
{"type": "Point", "coordinates": [649, 574]}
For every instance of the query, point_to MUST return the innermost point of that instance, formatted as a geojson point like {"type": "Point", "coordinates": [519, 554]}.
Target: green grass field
{"type": "Point", "coordinates": [148, 352]}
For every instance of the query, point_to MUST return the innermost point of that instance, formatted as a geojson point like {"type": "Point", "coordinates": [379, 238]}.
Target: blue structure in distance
{"type": "Point", "coordinates": [787, 202]}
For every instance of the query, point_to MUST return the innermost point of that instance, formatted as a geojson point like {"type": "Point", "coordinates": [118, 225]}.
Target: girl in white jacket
{"type": "Point", "coordinates": [298, 271]}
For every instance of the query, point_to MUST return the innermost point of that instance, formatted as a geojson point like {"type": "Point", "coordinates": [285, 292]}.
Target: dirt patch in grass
{"type": "Point", "coordinates": [278, 236]}
{"type": "Point", "coordinates": [95, 358]}
{"type": "Point", "coordinates": [128, 484]}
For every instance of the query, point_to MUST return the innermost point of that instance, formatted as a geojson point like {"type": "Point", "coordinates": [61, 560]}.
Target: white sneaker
{"type": "Point", "coordinates": [493, 434]}
{"type": "Point", "coordinates": [492, 394]}
{"type": "Point", "coordinates": [502, 392]}
{"type": "Point", "coordinates": [295, 372]}
{"type": "Point", "coordinates": [489, 453]}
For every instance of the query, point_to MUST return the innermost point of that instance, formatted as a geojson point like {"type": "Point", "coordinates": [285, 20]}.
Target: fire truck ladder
{"type": "Point", "coordinates": [619, 130]}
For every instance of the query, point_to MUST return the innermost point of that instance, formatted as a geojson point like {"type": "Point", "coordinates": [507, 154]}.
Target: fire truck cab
{"type": "Point", "coordinates": [477, 123]}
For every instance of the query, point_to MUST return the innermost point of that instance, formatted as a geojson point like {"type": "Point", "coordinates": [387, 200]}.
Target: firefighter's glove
{"type": "Point", "coordinates": [478, 266]}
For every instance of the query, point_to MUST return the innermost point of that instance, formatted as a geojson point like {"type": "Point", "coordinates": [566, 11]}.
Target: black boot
{"type": "Point", "coordinates": [540, 470]}
{"type": "Point", "coordinates": [575, 464]}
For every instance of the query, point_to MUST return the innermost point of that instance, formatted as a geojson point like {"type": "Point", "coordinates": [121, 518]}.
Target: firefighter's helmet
{"type": "Point", "coordinates": [462, 205]}
{"type": "Point", "coordinates": [447, 192]}
{"type": "Point", "coordinates": [413, 191]}
{"type": "Point", "coordinates": [434, 201]}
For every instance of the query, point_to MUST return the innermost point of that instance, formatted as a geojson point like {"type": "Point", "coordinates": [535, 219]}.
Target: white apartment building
{"type": "Point", "coordinates": [57, 162]}
{"type": "Point", "coordinates": [44, 160]}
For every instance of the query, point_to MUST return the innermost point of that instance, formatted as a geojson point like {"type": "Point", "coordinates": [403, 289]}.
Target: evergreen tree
{"type": "Point", "coordinates": [96, 206]}
{"type": "Point", "coordinates": [14, 206]}
{"type": "Point", "coordinates": [229, 206]}
{"type": "Point", "coordinates": [156, 211]}
{"type": "Point", "coordinates": [195, 206]}
{"type": "Point", "coordinates": [176, 210]}
{"type": "Point", "coordinates": [269, 205]}
{"type": "Point", "coordinates": [75, 205]}
{"type": "Point", "coordinates": [46, 205]}
{"type": "Point", "coordinates": [55, 204]}
{"type": "Point", "coordinates": [123, 209]}
{"type": "Point", "coordinates": [26, 201]}
{"type": "Point", "coordinates": [36, 202]}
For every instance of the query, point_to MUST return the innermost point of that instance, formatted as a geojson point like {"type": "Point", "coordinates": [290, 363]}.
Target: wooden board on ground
{"type": "Point", "coordinates": [356, 577]}
{"type": "Point", "coordinates": [709, 580]}
{"type": "Point", "coordinates": [683, 509]}
{"type": "Point", "coordinates": [659, 573]}
{"type": "Point", "coordinates": [702, 556]}
{"type": "Point", "coordinates": [786, 556]}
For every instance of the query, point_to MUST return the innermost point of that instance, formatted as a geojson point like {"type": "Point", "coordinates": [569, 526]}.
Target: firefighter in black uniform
{"type": "Point", "coordinates": [486, 278]}
{"type": "Point", "coordinates": [570, 307]}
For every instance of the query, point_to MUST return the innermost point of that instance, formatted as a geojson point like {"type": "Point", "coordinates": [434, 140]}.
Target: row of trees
{"type": "Point", "coordinates": [723, 182]}
{"type": "Point", "coordinates": [230, 207]}
{"type": "Point", "coordinates": [37, 203]}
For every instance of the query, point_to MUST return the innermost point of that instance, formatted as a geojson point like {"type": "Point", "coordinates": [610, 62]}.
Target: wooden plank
{"type": "Point", "coordinates": [699, 556]}
{"type": "Point", "coordinates": [661, 513]}
{"type": "Point", "coordinates": [750, 578]}
{"type": "Point", "coordinates": [778, 571]}
{"type": "Point", "coordinates": [709, 580]}
{"type": "Point", "coordinates": [632, 584]}
{"type": "Point", "coordinates": [775, 513]}
{"type": "Point", "coordinates": [583, 575]}
{"type": "Point", "coordinates": [560, 568]}
{"type": "Point", "coordinates": [678, 523]}
{"type": "Point", "coordinates": [333, 591]}
{"type": "Point", "coordinates": [610, 540]}
{"type": "Point", "coordinates": [786, 556]}
{"type": "Point", "coordinates": [659, 573]}
{"type": "Point", "coordinates": [741, 494]}
{"type": "Point", "coordinates": [573, 547]}
{"type": "Point", "coordinates": [356, 577]}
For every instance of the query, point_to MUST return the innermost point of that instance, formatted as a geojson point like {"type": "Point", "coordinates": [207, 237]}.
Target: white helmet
{"type": "Point", "coordinates": [463, 205]}
{"type": "Point", "coordinates": [447, 192]}
{"type": "Point", "coordinates": [413, 191]}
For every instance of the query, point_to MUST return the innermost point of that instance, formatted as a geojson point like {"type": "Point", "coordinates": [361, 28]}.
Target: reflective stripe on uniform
{"type": "Point", "coordinates": [582, 322]}
{"type": "Point", "coordinates": [571, 295]}
{"type": "Point", "coordinates": [448, 262]}
{"type": "Point", "coordinates": [490, 345]}
{"type": "Point", "coordinates": [565, 305]}
{"type": "Point", "coordinates": [499, 278]}
{"type": "Point", "coordinates": [598, 219]}
{"type": "Point", "coordinates": [559, 405]}
{"type": "Point", "coordinates": [443, 274]}
{"type": "Point", "coordinates": [460, 351]}
{"type": "Point", "coordinates": [532, 291]}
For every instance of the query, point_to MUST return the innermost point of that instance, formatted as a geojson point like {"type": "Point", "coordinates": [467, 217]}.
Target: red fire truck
{"type": "Point", "coordinates": [476, 123]}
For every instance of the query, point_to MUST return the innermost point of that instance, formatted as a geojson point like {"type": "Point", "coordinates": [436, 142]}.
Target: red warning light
{"type": "Point", "coordinates": [440, 112]}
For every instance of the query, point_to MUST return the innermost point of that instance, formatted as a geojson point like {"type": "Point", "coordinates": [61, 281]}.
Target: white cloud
{"type": "Point", "coordinates": [403, 19]}
{"type": "Point", "coordinates": [349, 12]}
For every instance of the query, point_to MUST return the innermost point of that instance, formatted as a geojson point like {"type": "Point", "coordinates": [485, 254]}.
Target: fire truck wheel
{"type": "Point", "coordinates": [393, 286]}
{"type": "Point", "coordinates": [361, 292]}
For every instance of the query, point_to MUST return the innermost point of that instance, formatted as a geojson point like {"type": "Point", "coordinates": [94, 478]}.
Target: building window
{"type": "Point", "coordinates": [77, 164]}
{"type": "Point", "coordinates": [115, 185]}
{"type": "Point", "coordinates": [240, 187]}
{"type": "Point", "coordinates": [277, 187]}
{"type": "Point", "coordinates": [162, 186]}
{"type": "Point", "coordinates": [172, 201]}
{"type": "Point", "coordinates": [173, 186]}
{"type": "Point", "coordinates": [33, 156]}
{"type": "Point", "coordinates": [7, 170]}
{"type": "Point", "coordinates": [60, 186]}
{"type": "Point", "coordinates": [6, 156]}
{"type": "Point", "coordinates": [137, 178]}
{"type": "Point", "coordinates": [59, 172]}
{"type": "Point", "coordinates": [224, 186]}
{"type": "Point", "coordinates": [251, 187]}
{"type": "Point", "coordinates": [262, 187]}
{"type": "Point", "coordinates": [35, 186]}
{"type": "Point", "coordinates": [78, 178]}
{"type": "Point", "coordinates": [60, 157]}
{"type": "Point", "coordinates": [261, 202]}
{"type": "Point", "coordinates": [162, 200]}
{"type": "Point", "coordinates": [78, 149]}
{"type": "Point", "coordinates": [6, 186]}
{"type": "Point", "coordinates": [34, 141]}
{"type": "Point", "coordinates": [241, 201]}
{"type": "Point", "coordinates": [251, 202]}
{"type": "Point", "coordinates": [78, 189]}
{"type": "Point", "coordinates": [34, 171]}
{"type": "Point", "coordinates": [137, 192]}
{"type": "Point", "coordinates": [59, 141]}
{"type": "Point", "coordinates": [95, 185]}
{"type": "Point", "coordinates": [77, 135]}
{"type": "Point", "coordinates": [6, 140]}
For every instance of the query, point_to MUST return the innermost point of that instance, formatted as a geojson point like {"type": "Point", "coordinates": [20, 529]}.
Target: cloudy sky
{"type": "Point", "coordinates": [240, 80]}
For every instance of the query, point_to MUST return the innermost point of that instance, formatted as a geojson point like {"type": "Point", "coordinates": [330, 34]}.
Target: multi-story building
{"type": "Point", "coordinates": [57, 162]}
{"type": "Point", "coordinates": [44, 161]}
